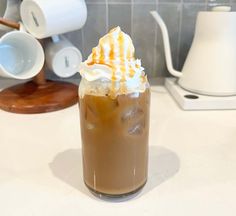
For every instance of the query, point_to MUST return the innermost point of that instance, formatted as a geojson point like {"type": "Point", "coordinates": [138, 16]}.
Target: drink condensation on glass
{"type": "Point", "coordinates": [114, 140]}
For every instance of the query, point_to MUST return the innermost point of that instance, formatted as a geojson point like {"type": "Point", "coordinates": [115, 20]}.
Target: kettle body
{"type": "Point", "coordinates": [210, 67]}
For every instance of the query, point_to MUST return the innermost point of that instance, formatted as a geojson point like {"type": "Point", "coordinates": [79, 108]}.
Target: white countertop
{"type": "Point", "coordinates": [192, 165]}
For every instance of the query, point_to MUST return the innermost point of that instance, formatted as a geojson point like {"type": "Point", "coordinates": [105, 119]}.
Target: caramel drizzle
{"type": "Point", "coordinates": [112, 50]}
{"type": "Point", "coordinates": [122, 60]}
{"type": "Point", "coordinates": [94, 54]}
{"type": "Point", "coordinates": [112, 57]}
{"type": "Point", "coordinates": [130, 57]}
{"type": "Point", "coordinates": [102, 54]}
{"type": "Point", "coordinates": [100, 59]}
{"type": "Point", "coordinates": [122, 57]}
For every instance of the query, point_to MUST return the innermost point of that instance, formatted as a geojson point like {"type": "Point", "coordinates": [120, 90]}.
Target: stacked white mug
{"type": "Point", "coordinates": [21, 55]}
{"type": "Point", "coordinates": [62, 57]}
{"type": "Point", "coordinates": [44, 18]}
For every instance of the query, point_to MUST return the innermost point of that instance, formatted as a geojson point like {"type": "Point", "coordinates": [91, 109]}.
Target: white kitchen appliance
{"type": "Point", "coordinates": [210, 67]}
{"type": "Point", "coordinates": [192, 101]}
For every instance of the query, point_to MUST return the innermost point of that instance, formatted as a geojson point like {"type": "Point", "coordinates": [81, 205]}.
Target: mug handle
{"type": "Point", "coordinates": [9, 23]}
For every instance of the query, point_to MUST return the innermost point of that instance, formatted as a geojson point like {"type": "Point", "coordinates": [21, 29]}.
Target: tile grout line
{"type": "Point", "coordinates": [132, 18]}
{"type": "Point", "coordinates": [83, 38]}
{"type": "Point", "coordinates": [107, 16]}
{"type": "Point", "coordinates": [154, 47]}
{"type": "Point", "coordinates": [206, 4]}
{"type": "Point", "coordinates": [180, 32]}
{"type": "Point", "coordinates": [146, 3]}
{"type": "Point", "coordinates": [83, 42]}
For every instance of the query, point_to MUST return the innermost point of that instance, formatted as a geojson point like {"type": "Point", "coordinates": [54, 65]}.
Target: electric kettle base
{"type": "Point", "coordinates": [192, 101]}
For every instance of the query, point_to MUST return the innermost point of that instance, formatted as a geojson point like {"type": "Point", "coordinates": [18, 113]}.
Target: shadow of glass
{"type": "Point", "coordinates": [163, 164]}
{"type": "Point", "coordinates": [67, 166]}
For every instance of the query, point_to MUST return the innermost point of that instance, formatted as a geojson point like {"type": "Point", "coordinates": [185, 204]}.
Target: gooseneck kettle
{"type": "Point", "coordinates": [210, 67]}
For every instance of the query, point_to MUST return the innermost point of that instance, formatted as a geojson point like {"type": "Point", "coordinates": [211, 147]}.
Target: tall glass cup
{"type": "Point", "coordinates": [115, 134]}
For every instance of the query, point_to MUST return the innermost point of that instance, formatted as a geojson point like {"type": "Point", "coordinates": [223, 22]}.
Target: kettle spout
{"type": "Point", "coordinates": [167, 49]}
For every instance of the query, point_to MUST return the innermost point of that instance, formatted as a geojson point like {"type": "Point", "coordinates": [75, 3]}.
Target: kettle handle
{"type": "Point", "coordinates": [166, 41]}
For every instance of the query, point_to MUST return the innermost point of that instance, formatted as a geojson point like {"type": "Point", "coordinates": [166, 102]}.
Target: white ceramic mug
{"type": "Point", "coordinates": [21, 55]}
{"type": "Point", "coordinates": [45, 18]}
{"type": "Point", "coordinates": [62, 57]}
{"type": "Point", "coordinates": [9, 9]}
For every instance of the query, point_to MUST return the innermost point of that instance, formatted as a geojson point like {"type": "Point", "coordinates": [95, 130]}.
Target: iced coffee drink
{"type": "Point", "coordinates": [114, 116]}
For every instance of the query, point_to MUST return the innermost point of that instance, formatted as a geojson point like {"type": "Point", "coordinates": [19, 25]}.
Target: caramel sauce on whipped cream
{"type": "Point", "coordinates": [113, 59]}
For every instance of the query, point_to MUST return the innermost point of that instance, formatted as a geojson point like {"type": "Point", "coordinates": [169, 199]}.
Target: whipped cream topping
{"type": "Point", "coordinates": [113, 59]}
